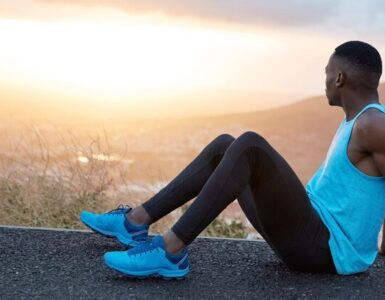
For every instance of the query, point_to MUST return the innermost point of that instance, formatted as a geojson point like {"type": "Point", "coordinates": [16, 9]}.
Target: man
{"type": "Point", "coordinates": [331, 226]}
{"type": "Point", "coordinates": [367, 143]}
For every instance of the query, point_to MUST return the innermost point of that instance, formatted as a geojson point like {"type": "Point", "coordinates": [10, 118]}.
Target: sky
{"type": "Point", "coordinates": [173, 56]}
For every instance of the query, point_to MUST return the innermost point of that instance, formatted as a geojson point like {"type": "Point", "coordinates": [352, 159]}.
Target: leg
{"type": "Point", "coordinates": [315, 248]}
{"type": "Point", "coordinates": [272, 197]}
{"type": "Point", "coordinates": [185, 186]}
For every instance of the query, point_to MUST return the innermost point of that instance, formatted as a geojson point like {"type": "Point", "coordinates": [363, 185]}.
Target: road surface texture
{"type": "Point", "coordinates": [63, 264]}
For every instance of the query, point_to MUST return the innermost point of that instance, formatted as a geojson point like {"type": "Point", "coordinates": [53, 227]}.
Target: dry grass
{"type": "Point", "coordinates": [42, 185]}
{"type": "Point", "coordinates": [39, 202]}
{"type": "Point", "coordinates": [48, 177]}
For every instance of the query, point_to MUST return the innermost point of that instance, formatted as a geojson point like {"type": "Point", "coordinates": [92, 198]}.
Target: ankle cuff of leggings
{"type": "Point", "coordinates": [181, 235]}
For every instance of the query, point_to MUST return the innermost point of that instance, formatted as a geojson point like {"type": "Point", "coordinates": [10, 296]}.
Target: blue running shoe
{"type": "Point", "coordinates": [149, 259]}
{"type": "Point", "coordinates": [115, 224]}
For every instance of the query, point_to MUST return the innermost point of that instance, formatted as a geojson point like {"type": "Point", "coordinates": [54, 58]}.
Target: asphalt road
{"type": "Point", "coordinates": [48, 264]}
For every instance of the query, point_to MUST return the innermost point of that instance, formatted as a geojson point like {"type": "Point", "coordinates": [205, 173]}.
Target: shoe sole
{"type": "Point", "coordinates": [164, 274]}
{"type": "Point", "coordinates": [109, 234]}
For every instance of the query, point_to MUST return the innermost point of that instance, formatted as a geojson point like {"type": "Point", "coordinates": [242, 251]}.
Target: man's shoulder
{"type": "Point", "coordinates": [371, 119]}
{"type": "Point", "coordinates": [370, 128]}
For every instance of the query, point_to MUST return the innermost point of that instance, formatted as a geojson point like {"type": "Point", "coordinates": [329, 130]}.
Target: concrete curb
{"type": "Point", "coordinates": [90, 231]}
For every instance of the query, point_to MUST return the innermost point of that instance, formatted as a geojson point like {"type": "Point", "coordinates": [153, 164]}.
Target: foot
{"type": "Point", "coordinates": [149, 259]}
{"type": "Point", "coordinates": [115, 224]}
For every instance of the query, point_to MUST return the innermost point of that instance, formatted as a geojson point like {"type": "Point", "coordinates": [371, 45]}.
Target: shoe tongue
{"type": "Point", "coordinates": [158, 241]}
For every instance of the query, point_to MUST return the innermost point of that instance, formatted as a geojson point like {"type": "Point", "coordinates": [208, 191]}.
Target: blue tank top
{"type": "Point", "coordinates": [350, 203]}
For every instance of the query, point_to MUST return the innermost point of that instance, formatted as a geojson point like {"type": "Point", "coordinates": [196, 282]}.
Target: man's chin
{"type": "Point", "coordinates": [331, 103]}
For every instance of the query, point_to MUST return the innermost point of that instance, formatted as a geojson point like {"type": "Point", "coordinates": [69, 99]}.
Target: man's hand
{"type": "Point", "coordinates": [382, 247]}
{"type": "Point", "coordinates": [382, 250]}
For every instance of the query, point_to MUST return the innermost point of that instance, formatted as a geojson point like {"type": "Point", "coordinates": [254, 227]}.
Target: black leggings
{"type": "Point", "coordinates": [269, 192]}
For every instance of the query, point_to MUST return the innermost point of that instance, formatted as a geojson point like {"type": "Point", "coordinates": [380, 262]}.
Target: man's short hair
{"type": "Point", "coordinates": [362, 56]}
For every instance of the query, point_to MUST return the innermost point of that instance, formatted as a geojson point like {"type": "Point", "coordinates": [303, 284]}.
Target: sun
{"type": "Point", "coordinates": [109, 57]}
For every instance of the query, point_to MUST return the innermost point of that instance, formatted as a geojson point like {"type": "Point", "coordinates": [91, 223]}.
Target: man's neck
{"type": "Point", "coordinates": [355, 102]}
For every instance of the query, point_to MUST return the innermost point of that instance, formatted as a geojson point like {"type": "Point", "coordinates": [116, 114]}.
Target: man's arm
{"type": "Point", "coordinates": [371, 134]}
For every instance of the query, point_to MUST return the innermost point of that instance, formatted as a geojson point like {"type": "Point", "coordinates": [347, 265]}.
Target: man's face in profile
{"type": "Point", "coordinates": [331, 90]}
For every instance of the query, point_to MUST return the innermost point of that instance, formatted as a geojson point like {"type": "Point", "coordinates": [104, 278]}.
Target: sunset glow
{"type": "Point", "coordinates": [159, 61]}
{"type": "Point", "coordinates": [121, 57]}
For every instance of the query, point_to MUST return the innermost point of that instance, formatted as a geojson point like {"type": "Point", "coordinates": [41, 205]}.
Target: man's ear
{"type": "Point", "coordinates": [340, 80]}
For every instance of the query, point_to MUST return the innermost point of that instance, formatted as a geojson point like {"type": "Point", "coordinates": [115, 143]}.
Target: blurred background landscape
{"type": "Point", "coordinates": [104, 102]}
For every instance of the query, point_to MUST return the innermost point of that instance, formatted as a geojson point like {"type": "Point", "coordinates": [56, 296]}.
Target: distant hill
{"type": "Point", "coordinates": [301, 131]}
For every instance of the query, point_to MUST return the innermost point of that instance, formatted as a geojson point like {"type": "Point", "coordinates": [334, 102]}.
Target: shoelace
{"type": "Point", "coordinates": [141, 249]}
{"type": "Point", "coordinates": [148, 246]}
{"type": "Point", "coordinates": [120, 209]}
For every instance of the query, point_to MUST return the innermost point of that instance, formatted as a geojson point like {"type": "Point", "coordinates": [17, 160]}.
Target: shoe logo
{"type": "Point", "coordinates": [139, 232]}
{"type": "Point", "coordinates": [182, 260]}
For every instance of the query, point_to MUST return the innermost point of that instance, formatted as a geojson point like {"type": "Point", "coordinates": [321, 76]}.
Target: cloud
{"type": "Point", "coordinates": [343, 17]}
{"type": "Point", "coordinates": [250, 12]}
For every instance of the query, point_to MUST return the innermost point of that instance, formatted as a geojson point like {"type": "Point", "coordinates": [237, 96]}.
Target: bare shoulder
{"type": "Point", "coordinates": [370, 130]}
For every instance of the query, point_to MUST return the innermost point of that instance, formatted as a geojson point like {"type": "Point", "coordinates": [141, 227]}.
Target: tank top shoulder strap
{"type": "Point", "coordinates": [380, 106]}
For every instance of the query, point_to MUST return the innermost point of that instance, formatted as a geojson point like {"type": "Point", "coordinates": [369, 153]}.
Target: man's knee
{"type": "Point", "coordinates": [251, 137]}
{"type": "Point", "coordinates": [223, 140]}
